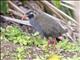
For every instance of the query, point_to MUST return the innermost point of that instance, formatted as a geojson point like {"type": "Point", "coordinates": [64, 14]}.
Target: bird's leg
{"type": "Point", "coordinates": [49, 41]}
{"type": "Point", "coordinates": [54, 42]}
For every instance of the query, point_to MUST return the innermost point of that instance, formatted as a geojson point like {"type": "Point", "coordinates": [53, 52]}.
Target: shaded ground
{"type": "Point", "coordinates": [8, 52]}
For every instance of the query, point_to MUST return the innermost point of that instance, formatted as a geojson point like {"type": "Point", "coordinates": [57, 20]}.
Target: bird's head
{"type": "Point", "coordinates": [31, 14]}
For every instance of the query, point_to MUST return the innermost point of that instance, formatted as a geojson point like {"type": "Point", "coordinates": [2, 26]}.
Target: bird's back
{"type": "Point", "coordinates": [48, 25]}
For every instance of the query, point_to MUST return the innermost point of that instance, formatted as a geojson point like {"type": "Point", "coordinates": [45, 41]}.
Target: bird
{"type": "Point", "coordinates": [48, 26]}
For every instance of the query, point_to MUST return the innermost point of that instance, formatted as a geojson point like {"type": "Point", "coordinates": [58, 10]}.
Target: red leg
{"type": "Point", "coordinates": [54, 42]}
{"type": "Point", "coordinates": [48, 43]}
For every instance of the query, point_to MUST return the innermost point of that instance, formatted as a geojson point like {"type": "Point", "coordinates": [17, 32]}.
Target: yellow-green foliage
{"type": "Point", "coordinates": [4, 6]}
{"type": "Point", "coordinates": [15, 35]}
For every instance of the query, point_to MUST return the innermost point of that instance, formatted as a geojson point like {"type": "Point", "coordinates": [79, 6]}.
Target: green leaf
{"type": "Point", "coordinates": [35, 34]}
{"type": "Point", "coordinates": [3, 6]}
{"type": "Point", "coordinates": [57, 3]}
{"type": "Point", "coordinates": [15, 41]}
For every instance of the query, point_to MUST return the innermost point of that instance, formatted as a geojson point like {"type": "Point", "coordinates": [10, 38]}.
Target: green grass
{"type": "Point", "coordinates": [15, 35]}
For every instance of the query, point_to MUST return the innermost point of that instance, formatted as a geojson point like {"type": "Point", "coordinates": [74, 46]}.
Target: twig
{"type": "Point", "coordinates": [65, 5]}
{"type": "Point", "coordinates": [49, 8]}
{"type": "Point", "coordinates": [16, 7]}
{"type": "Point", "coordinates": [59, 11]}
{"type": "Point", "coordinates": [69, 2]}
{"type": "Point", "coordinates": [16, 20]}
{"type": "Point", "coordinates": [17, 13]}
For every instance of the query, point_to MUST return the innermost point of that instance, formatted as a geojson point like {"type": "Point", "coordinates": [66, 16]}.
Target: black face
{"type": "Point", "coordinates": [30, 14]}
